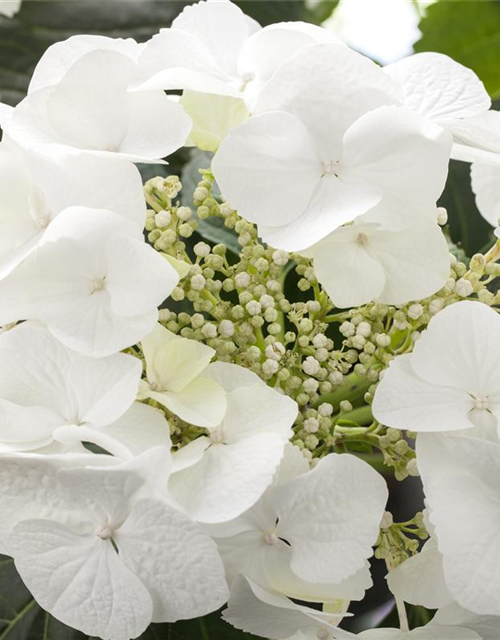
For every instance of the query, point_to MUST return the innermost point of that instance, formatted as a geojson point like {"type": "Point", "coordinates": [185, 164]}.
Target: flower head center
{"type": "Point", "coordinates": [362, 239]}
{"type": "Point", "coordinates": [247, 77]}
{"type": "Point", "coordinates": [330, 166]}
{"type": "Point", "coordinates": [104, 532]}
{"type": "Point", "coordinates": [271, 538]}
{"type": "Point", "coordinates": [216, 436]}
{"type": "Point", "coordinates": [481, 402]}
{"type": "Point", "coordinates": [97, 284]}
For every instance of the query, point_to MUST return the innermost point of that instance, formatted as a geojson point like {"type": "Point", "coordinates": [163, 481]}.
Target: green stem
{"type": "Point", "coordinates": [203, 629]}
{"type": "Point", "coordinates": [336, 317]}
{"type": "Point", "coordinates": [361, 416]}
{"type": "Point", "coordinates": [354, 389]}
{"type": "Point", "coordinates": [260, 339]}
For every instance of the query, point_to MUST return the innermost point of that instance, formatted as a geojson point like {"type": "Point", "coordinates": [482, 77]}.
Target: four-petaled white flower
{"type": "Point", "coordinates": [178, 377]}
{"type": "Point", "coordinates": [327, 145]}
{"type": "Point", "coordinates": [54, 399]}
{"type": "Point", "coordinates": [91, 109]}
{"type": "Point", "coordinates": [274, 545]}
{"type": "Point", "coordinates": [451, 381]}
{"type": "Point", "coordinates": [219, 476]}
{"type": "Point", "coordinates": [92, 280]}
{"type": "Point", "coordinates": [367, 261]}
{"type": "Point", "coordinates": [103, 552]}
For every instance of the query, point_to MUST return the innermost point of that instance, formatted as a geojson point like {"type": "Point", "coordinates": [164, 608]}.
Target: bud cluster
{"type": "Point", "coordinates": [328, 361]}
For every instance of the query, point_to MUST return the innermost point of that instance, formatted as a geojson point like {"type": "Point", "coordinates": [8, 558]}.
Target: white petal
{"type": "Point", "coordinates": [485, 626]}
{"type": "Point", "coordinates": [458, 349]}
{"type": "Point", "coordinates": [346, 270]}
{"type": "Point", "coordinates": [232, 376]}
{"type": "Point", "coordinates": [292, 465]}
{"type": "Point", "coordinates": [104, 494]}
{"type": "Point", "coordinates": [328, 87]}
{"type": "Point", "coordinates": [69, 179]}
{"type": "Point", "coordinates": [257, 410]}
{"type": "Point", "coordinates": [279, 577]}
{"type": "Point", "coordinates": [88, 108]}
{"type": "Point", "coordinates": [266, 169]}
{"type": "Point", "coordinates": [472, 578]}
{"type": "Point", "coordinates": [174, 559]}
{"type": "Point", "coordinates": [39, 288]}
{"type": "Point", "coordinates": [478, 137]}
{"type": "Point", "coordinates": [81, 580]}
{"type": "Point", "coordinates": [190, 454]}
{"type": "Point", "coordinates": [486, 185]}
{"type": "Point", "coordinates": [385, 147]}
{"type": "Point", "coordinates": [403, 400]}
{"type": "Point", "coordinates": [138, 278]}
{"type": "Point", "coordinates": [266, 50]}
{"type": "Point", "coordinates": [90, 228]}
{"type": "Point", "coordinates": [415, 261]}
{"type": "Point", "coordinates": [157, 126]}
{"type": "Point", "coordinates": [466, 153]}
{"type": "Point", "coordinates": [421, 633]}
{"type": "Point", "coordinates": [229, 479]}
{"type": "Point", "coordinates": [26, 428]}
{"type": "Point", "coordinates": [221, 26]}
{"type": "Point", "coordinates": [93, 329]}
{"type": "Point", "coordinates": [254, 610]}
{"type": "Point", "coordinates": [32, 477]}
{"type": "Point", "coordinates": [140, 428]}
{"type": "Point", "coordinates": [176, 59]}
{"type": "Point", "coordinates": [33, 367]}
{"type": "Point", "coordinates": [59, 57]}
{"type": "Point", "coordinates": [202, 402]}
{"type": "Point", "coordinates": [420, 580]}
{"type": "Point", "coordinates": [438, 88]}
{"type": "Point", "coordinates": [333, 203]}
{"type": "Point", "coordinates": [462, 494]}
{"type": "Point", "coordinates": [103, 389]}
{"type": "Point", "coordinates": [19, 230]}
{"type": "Point", "coordinates": [332, 552]}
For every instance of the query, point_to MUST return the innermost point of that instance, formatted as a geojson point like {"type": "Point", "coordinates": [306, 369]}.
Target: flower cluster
{"type": "Point", "coordinates": [185, 423]}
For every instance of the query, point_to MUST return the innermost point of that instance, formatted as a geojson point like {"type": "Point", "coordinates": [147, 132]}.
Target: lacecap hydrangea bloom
{"type": "Point", "coordinates": [204, 390]}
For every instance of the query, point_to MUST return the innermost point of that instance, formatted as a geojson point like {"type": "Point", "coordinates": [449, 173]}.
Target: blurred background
{"type": "Point", "coordinates": [384, 30]}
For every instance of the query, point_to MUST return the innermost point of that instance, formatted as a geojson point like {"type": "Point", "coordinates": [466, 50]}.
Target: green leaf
{"type": "Point", "coordinates": [468, 229]}
{"type": "Point", "coordinates": [469, 32]}
{"type": "Point", "coordinates": [212, 229]}
{"type": "Point", "coordinates": [318, 11]}
{"type": "Point", "coordinates": [20, 616]}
